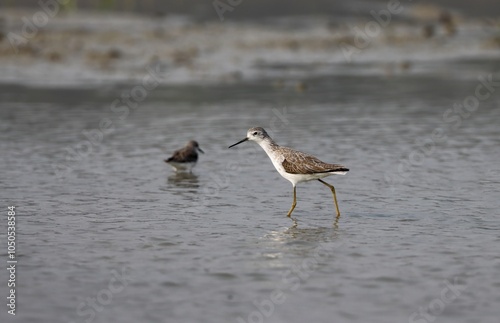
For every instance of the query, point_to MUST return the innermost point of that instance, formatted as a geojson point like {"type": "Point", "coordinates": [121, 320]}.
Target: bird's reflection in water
{"type": "Point", "coordinates": [335, 224]}
{"type": "Point", "coordinates": [184, 180]}
{"type": "Point", "coordinates": [319, 234]}
{"type": "Point", "coordinates": [294, 245]}
{"type": "Point", "coordinates": [295, 234]}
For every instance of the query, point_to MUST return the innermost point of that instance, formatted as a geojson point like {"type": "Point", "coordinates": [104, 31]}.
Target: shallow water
{"type": "Point", "coordinates": [216, 246]}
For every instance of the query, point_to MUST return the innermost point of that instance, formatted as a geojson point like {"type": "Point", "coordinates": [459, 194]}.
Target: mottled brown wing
{"type": "Point", "coordinates": [300, 163]}
{"type": "Point", "coordinates": [183, 156]}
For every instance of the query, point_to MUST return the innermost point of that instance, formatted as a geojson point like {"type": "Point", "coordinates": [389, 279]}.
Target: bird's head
{"type": "Point", "coordinates": [194, 144]}
{"type": "Point", "coordinates": [256, 134]}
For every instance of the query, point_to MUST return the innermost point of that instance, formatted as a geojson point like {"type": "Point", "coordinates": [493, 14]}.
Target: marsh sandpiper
{"type": "Point", "coordinates": [185, 158]}
{"type": "Point", "coordinates": [294, 165]}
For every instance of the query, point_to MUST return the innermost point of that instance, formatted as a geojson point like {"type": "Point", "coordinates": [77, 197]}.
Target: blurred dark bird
{"type": "Point", "coordinates": [448, 23]}
{"type": "Point", "coordinates": [185, 158]}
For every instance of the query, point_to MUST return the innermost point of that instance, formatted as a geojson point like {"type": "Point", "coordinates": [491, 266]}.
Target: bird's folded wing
{"type": "Point", "coordinates": [183, 156]}
{"type": "Point", "coordinates": [300, 163]}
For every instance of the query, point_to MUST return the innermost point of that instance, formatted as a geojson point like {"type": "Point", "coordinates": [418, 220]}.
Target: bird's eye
{"type": "Point", "coordinates": [255, 133]}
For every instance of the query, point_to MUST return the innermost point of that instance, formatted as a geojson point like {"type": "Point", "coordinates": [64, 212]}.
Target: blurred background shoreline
{"type": "Point", "coordinates": [95, 42]}
{"type": "Point", "coordinates": [257, 9]}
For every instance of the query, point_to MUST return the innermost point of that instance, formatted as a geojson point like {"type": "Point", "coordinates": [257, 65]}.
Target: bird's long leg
{"type": "Point", "coordinates": [294, 201]}
{"type": "Point", "coordinates": [334, 196]}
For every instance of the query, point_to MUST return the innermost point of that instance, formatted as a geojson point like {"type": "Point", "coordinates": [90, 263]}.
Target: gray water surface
{"type": "Point", "coordinates": [118, 228]}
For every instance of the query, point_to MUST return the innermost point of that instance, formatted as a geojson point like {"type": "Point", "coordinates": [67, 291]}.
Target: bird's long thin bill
{"type": "Point", "coordinates": [239, 142]}
{"type": "Point", "coordinates": [201, 151]}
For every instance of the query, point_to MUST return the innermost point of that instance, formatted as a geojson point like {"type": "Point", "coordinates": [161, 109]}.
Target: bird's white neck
{"type": "Point", "coordinates": [269, 146]}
